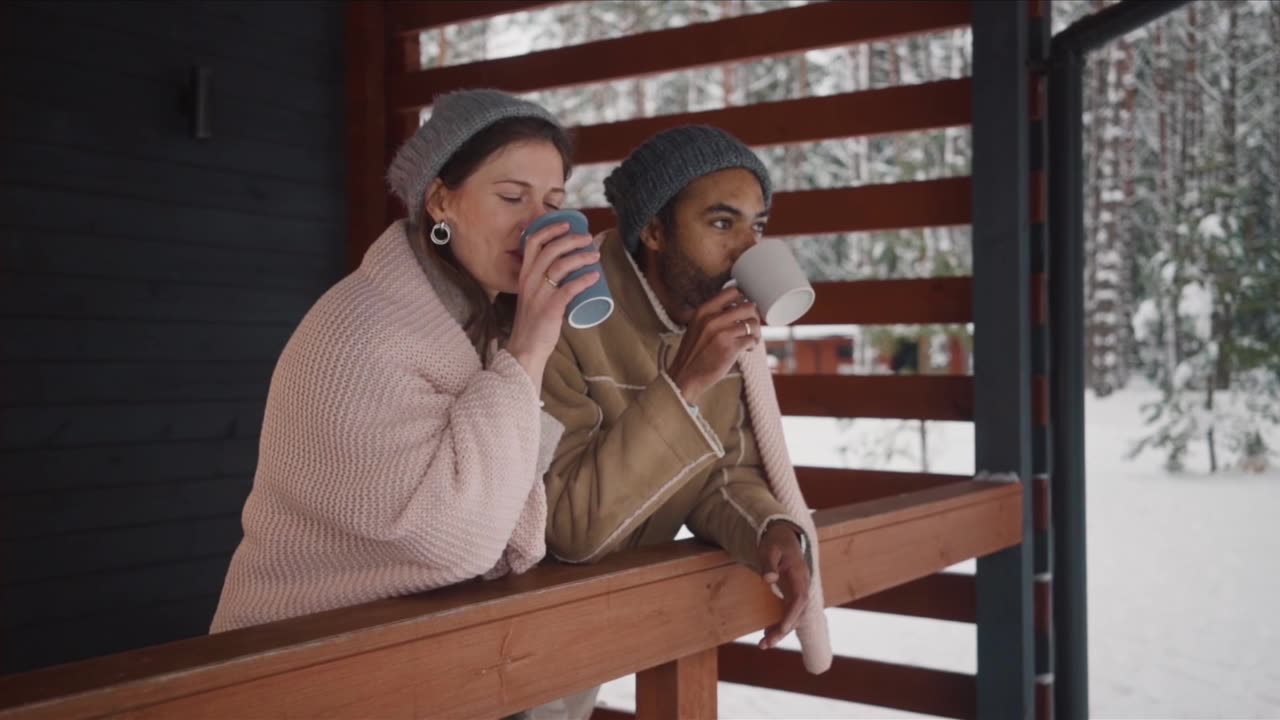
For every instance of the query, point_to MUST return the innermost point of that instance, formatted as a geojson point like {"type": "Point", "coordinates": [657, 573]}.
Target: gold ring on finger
{"type": "Point", "coordinates": [551, 282]}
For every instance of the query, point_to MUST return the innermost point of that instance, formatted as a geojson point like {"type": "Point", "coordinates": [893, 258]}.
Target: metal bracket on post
{"type": "Point", "coordinates": [1007, 477]}
{"type": "Point", "coordinates": [196, 101]}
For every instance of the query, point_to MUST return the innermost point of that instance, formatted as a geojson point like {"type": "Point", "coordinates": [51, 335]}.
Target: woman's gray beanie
{"type": "Point", "coordinates": [456, 117]}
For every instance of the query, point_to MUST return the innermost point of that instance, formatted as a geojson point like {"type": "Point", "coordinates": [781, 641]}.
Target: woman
{"type": "Point", "coordinates": [403, 443]}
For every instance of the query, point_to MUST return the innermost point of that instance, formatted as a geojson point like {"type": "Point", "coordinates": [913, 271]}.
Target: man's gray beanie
{"type": "Point", "coordinates": [456, 117]}
{"type": "Point", "coordinates": [659, 169]}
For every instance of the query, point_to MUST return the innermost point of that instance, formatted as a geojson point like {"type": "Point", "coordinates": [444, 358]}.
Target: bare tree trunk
{"type": "Point", "coordinates": [924, 447]}
{"type": "Point", "coordinates": [1098, 121]}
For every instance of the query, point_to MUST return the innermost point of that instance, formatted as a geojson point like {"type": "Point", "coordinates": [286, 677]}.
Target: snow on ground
{"type": "Point", "coordinates": [1183, 579]}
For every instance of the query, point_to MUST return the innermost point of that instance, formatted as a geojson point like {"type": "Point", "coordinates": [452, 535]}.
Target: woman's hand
{"type": "Point", "coordinates": [543, 295]}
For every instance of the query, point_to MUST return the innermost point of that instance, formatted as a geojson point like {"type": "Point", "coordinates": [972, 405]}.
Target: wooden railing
{"type": "Point", "coordinates": [405, 88]}
{"type": "Point", "coordinates": [487, 649]}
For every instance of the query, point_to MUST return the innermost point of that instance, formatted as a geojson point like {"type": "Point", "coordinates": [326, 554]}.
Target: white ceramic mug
{"type": "Point", "coordinates": [770, 277]}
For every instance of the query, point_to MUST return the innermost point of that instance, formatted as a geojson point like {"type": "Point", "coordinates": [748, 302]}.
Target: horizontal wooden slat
{"type": "Point", "coordinates": [892, 302]}
{"type": "Point", "coordinates": [926, 203]}
{"type": "Point", "coordinates": [1040, 503]}
{"type": "Point", "coordinates": [492, 648]}
{"type": "Point", "coordinates": [1040, 400]}
{"type": "Point", "coordinates": [906, 108]}
{"type": "Point", "coordinates": [932, 692]}
{"type": "Point", "coordinates": [833, 487]}
{"type": "Point", "coordinates": [906, 397]}
{"type": "Point", "coordinates": [406, 17]}
{"type": "Point", "coordinates": [1044, 698]}
{"type": "Point", "coordinates": [1042, 594]}
{"type": "Point", "coordinates": [941, 596]}
{"type": "Point", "coordinates": [1039, 299]}
{"type": "Point", "coordinates": [808, 27]}
{"type": "Point", "coordinates": [889, 683]}
{"type": "Point", "coordinates": [1038, 197]}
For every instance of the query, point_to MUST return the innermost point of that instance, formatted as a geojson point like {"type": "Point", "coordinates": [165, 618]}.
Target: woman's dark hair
{"type": "Point", "coordinates": [488, 320]}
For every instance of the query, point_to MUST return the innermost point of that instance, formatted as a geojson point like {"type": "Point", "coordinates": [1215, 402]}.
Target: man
{"type": "Point", "coordinates": [668, 407]}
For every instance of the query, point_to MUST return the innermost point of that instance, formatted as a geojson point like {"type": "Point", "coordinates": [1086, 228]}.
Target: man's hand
{"type": "Point", "coordinates": [782, 562]}
{"type": "Point", "coordinates": [720, 331]}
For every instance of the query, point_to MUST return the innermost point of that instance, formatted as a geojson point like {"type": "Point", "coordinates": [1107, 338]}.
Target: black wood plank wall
{"type": "Point", "coordinates": [148, 281]}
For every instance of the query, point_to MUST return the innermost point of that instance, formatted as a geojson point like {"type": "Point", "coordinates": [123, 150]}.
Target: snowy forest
{"type": "Point", "coordinates": [1182, 217]}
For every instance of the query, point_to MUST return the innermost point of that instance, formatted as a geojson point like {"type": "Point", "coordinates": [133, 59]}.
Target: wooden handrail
{"type": "Point", "coordinates": [493, 648]}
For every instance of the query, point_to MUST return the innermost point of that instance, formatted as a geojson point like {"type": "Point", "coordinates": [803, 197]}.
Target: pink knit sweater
{"type": "Point", "coordinates": [391, 461]}
{"type": "Point", "coordinates": [766, 418]}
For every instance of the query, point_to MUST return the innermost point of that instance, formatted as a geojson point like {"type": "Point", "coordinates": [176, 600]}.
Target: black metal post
{"type": "Point", "coordinates": [1100, 28]}
{"type": "Point", "coordinates": [1066, 391]}
{"type": "Point", "coordinates": [1067, 334]}
{"type": "Point", "coordinates": [1002, 343]}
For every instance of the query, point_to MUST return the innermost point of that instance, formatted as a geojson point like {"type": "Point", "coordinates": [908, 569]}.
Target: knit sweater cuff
{"type": "Point", "coordinates": [551, 431]}
{"type": "Point", "coordinates": [506, 365]}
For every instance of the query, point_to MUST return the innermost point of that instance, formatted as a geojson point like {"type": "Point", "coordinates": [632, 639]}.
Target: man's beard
{"type": "Point", "coordinates": [685, 281]}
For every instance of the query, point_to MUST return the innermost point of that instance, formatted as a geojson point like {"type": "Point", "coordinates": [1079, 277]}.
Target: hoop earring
{"type": "Point", "coordinates": [441, 233]}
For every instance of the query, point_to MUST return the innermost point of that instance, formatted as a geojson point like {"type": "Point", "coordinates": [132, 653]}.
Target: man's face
{"type": "Point", "coordinates": [717, 218]}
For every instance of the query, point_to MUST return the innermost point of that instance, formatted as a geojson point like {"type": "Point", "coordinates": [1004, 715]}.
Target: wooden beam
{"type": "Point", "coordinates": [906, 108]}
{"type": "Point", "coordinates": [925, 203]}
{"type": "Point", "coordinates": [748, 37]}
{"type": "Point", "coordinates": [407, 17]}
{"type": "Point", "coordinates": [493, 648]}
{"type": "Point", "coordinates": [682, 688]}
{"type": "Point", "coordinates": [931, 692]}
{"type": "Point", "coordinates": [366, 126]}
{"type": "Point", "coordinates": [892, 302]}
{"type": "Point", "coordinates": [904, 397]}
{"type": "Point", "coordinates": [941, 596]}
{"type": "Point", "coordinates": [832, 487]}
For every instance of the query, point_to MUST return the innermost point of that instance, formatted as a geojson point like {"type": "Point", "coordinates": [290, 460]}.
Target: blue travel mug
{"type": "Point", "coordinates": [593, 305]}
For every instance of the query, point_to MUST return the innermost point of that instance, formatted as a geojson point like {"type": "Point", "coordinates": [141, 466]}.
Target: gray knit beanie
{"type": "Point", "coordinates": [659, 169]}
{"type": "Point", "coordinates": [456, 117]}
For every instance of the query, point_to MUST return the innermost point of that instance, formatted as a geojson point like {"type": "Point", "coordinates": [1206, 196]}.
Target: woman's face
{"type": "Point", "coordinates": [491, 208]}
